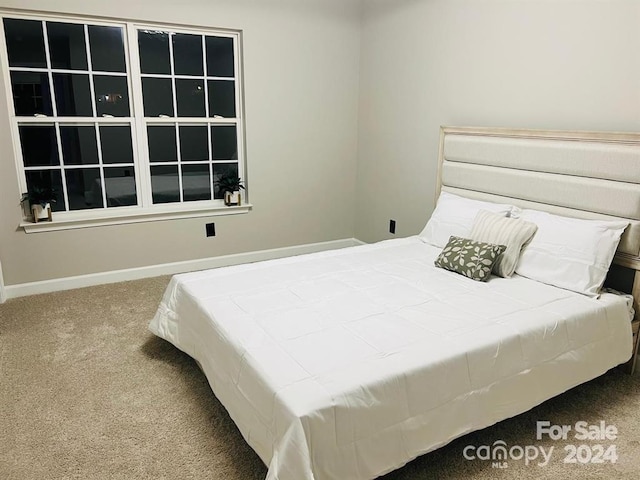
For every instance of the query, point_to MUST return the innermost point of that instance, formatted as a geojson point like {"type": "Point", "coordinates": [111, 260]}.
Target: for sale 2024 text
{"type": "Point", "coordinates": [584, 432]}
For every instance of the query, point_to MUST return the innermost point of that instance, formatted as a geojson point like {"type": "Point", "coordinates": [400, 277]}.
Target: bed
{"type": "Point", "coordinates": [347, 364]}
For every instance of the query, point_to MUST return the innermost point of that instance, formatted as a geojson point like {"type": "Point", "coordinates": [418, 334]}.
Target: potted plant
{"type": "Point", "coordinates": [39, 199]}
{"type": "Point", "coordinates": [230, 185]}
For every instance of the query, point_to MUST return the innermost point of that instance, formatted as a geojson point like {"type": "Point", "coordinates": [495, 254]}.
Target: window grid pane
{"type": "Point", "coordinates": [220, 102]}
{"type": "Point", "coordinates": [73, 95]}
{"type": "Point", "coordinates": [72, 152]}
{"type": "Point", "coordinates": [49, 181]}
{"type": "Point", "coordinates": [111, 96]}
{"type": "Point", "coordinates": [25, 43]}
{"type": "Point", "coordinates": [75, 61]}
{"type": "Point", "coordinates": [107, 48]}
{"type": "Point", "coordinates": [31, 93]}
{"type": "Point", "coordinates": [67, 46]}
{"type": "Point", "coordinates": [39, 145]}
{"type": "Point", "coordinates": [79, 145]}
{"type": "Point", "coordinates": [154, 52]}
{"type": "Point", "coordinates": [120, 185]}
{"type": "Point", "coordinates": [220, 56]}
{"type": "Point", "coordinates": [80, 166]}
{"type": "Point", "coordinates": [178, 144]}
{"type": "Point", "coordinates": [188, 59]}
{"type": "Point", "coordinates": [116, 144]}
{"type": "Point", "coordinates": [72, 85]}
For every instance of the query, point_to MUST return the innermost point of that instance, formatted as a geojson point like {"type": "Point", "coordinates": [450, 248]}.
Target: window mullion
{"type": "Point", "coordinates": [173, 77]}
{"type": "Point", "coordinates": [237, 74]}
{"type": "Point", "coordinates": [15, 133]}
{"type": "Point", "coordinates": [240, 147]}
{"type": "Point", "coordinates": [206, 81]}
{"type": "Point", "coordinates": [210, 161]}
{"type": "Point", "coordinates": [47, 54]}
{"type": "Point", "coordinates": [179, 166]}
{"type": "Point", "coordinates": [94, 107]}
{"type": "Point", "coordinates": [103, 181]}
{"type": "Point", "coordinates": [65, 193]}
{"type": "Point", "coordinates": [174, 90]}
{"type": "Point", "coordinates": [236, 84]}
{"type": "Point", "coordinates": [139, 130]}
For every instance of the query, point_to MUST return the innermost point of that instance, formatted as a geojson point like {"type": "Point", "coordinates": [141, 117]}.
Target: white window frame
{"type": "Point", "coordinates": [145, 210]}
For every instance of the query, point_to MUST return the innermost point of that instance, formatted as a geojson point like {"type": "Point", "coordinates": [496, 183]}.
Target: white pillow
{"type": "Point", "coordinates": [568, 252]}
{"type": "Point", "coordinates": [454, 215]}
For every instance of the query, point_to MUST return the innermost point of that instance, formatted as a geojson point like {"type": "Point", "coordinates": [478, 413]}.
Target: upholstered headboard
{"type": "Point", "coordinates": [578, 174]}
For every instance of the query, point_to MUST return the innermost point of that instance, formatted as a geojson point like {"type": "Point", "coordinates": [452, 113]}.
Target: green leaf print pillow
{"type": "Point", "coordinates": [469, 258]}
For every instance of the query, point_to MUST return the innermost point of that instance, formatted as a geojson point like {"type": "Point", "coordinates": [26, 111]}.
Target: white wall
{"type": "Point", "coordinates": [550, 64]}
{"type": "Point", "coordinates": [301, 62]}
{"type": "Point", "coordinates": [327, 84]}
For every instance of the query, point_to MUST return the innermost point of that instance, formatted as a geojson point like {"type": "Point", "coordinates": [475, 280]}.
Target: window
{"type": "Point", "coordinates": [123, 119]}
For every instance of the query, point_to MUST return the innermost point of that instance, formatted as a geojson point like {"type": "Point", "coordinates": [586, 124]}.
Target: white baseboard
{"type": "Point", "coordinates": [67, 283]}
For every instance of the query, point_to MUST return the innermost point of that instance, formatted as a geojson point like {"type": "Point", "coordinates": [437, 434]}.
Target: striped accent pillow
{"type": "Point", "coordinates": [489, 227]}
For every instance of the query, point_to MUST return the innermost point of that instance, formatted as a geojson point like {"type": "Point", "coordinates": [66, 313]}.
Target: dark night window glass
{"type": "Point", "coordinates": [162, 143]}
{"type": "Point", "coordinates": [194, 143]}
{"type": "Point", "coordinates": [222, 98]}
{"type": "Point", "coordinates": [154, 52]}
{"type": "Point", "coordinates": [84, 188]}
{"type": "Point", "coordinates": [47, 179]}
{"type": "Point", "coordinates": [157, 95]}
{"type": "Point", "coordinates": [115, 141]}
{"type": "Point", "coordinates": [67, 46]}
{"type": "Point", "coordinates": [31, 93]}
{"type": "Point", "coordinates": [120, 184]}
{"type": "Point", "coordinates": [74, 74]}
{"type": "Point", "coordinates": [187, 54]}
{"type": "Point", "coordinates": [165, 186]}
{"type": "Point", "coordinates": [107, 49]}
{"type": "Point", "coordinates": [112, 97]}
{"type": "Point", "coordinates": [25, 43]}
{"type": "Point", "coordinates": [190, 98]}
{"type": "Point", "coordinates": [219, 56]}
{"type": "Point", "coordinates": [79, 146]}
{"type": "Point", "coordinates": [219, 170]}
{"type": "Point", "coordinates": [224, 141]}
{"type": "Point", "coordinates": [73, 94]}
{"type": "Point", "coordinates": [39, 145]}
{"type": "Point", "coordinates": [196, 183]}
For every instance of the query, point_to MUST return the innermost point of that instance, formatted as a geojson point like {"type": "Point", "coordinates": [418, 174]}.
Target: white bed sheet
{"type": "Point", "coordinates": [347, 364]}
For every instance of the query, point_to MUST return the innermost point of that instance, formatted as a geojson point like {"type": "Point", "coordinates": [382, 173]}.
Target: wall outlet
{"type": "Point", "coordinates": [210, 229]}
{"type": "Point", "coordinates": [392, 226]}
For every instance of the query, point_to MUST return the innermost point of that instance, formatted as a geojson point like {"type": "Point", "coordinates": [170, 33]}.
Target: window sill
{"type": "Point", "coordinates": [70, 221]}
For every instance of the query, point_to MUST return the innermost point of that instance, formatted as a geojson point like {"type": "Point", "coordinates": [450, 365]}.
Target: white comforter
{"type": "Point", "coordinates": [347, 364]}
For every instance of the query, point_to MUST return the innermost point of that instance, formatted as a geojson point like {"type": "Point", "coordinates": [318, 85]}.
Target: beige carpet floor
{"type": "Point", "coordinates": [87, 392]}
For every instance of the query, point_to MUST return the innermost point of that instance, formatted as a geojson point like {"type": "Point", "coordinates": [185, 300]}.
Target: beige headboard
{"type": "Point", "coordinates": [578, 174]}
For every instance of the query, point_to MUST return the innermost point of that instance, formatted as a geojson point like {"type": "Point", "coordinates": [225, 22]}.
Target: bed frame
{"type": "Point", "coordinates": [550, 171]}
{"type": "Point", "coordinates": [286, 417]}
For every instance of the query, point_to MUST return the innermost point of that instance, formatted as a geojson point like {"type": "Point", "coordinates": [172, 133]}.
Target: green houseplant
{"type": "Point", "coordinates": [39, 199]}
{"type": "Point", "coordinates": [230, 185]}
